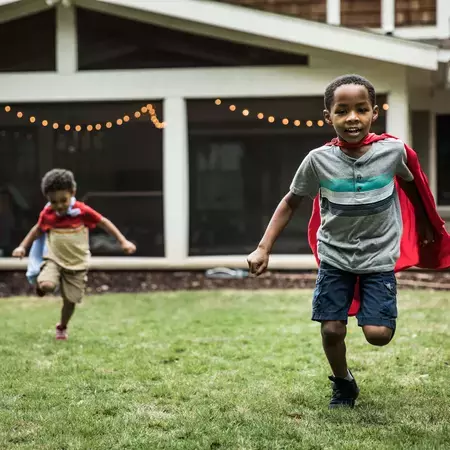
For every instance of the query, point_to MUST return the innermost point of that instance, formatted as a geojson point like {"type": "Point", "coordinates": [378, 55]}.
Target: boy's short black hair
{"type": "Point", "coordinates": [348, 79]}
{"type": "Point", "coordinates": [58, 180]}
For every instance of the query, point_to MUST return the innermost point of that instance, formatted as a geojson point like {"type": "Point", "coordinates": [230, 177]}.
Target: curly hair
{"type": "Point", "coordinates": [344, 80]}
{"type": "Point", "coordinates": [58, 180]}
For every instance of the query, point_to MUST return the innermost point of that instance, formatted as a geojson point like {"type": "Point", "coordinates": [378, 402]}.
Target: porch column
{"type": "Point", "coordinates": [397, 116]}
{"type": "Point", "coordinates": [175, 179]}
{"type": "Point", "coordinates": [443, 18]}
{"type": "Point", "coordinates": [388, 16]}
{"type": "Point", "coordinates": [432, 156]}
{"type": "Point", "coordinates": [66, 39]}
{"type": "Point", "coordinates": [334, 12]}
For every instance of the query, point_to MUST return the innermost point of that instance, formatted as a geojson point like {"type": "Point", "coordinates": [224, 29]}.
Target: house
{"type": "Point", "coordinates": [184, 121]}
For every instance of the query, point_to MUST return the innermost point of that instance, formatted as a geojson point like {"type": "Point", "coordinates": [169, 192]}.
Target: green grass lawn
{"type": "Point", "coordinates": [217, 370]}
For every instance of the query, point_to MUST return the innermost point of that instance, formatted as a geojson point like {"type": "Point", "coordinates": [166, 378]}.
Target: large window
{"type": "Point", "coordinates": [443, 163]}
{"type": "Point", "coordinates": [241, 166]}
{"type": "Point", "coordinates": [110, 42]}
{"type": "Point", "coordinates": [28, 43]}
{"type": "Point", "coordinates": [118, 168]}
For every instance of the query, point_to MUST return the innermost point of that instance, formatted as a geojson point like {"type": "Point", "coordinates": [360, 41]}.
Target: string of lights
{"type": "Point", "coordinates": [272, 119]}
{"type": "Point", "coordinates": [145, 109]}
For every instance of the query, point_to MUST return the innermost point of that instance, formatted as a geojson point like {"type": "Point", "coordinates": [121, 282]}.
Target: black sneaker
{"type": "Point", "coordinates": [344, 393]}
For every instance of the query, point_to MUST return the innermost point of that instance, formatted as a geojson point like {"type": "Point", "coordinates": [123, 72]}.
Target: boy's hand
{"type": "Point", "coordinates": [258, 261]}
{"type": "Point", "coordinates": [128, 247]}
{"type": "Point", "coordinates": [19, 252]}
{"type": "Point", "coordinates": [426, 232]}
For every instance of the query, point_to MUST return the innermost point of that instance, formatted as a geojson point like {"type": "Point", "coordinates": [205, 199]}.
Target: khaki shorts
{"type": "Point", "coordinates": [73, 282]}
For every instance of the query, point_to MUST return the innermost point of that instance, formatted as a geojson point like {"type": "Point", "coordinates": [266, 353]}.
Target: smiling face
{"type": "Point", "coordinates": [351, 113]}
{"type": "Point", "coordinates": [60, 201]}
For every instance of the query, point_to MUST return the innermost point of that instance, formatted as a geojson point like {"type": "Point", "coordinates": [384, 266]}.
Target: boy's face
{"type": "Point", "coordinates": [351, 113]}
{"type": "Point", "coordinates": [60, 201]}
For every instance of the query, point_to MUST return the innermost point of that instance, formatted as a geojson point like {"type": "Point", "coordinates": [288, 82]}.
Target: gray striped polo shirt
{"type": "Point", "coordinates": [361, 223]}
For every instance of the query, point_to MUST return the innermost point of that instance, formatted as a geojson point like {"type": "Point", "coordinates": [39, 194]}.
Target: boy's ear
{"type": "Point", "coordinates": [376, 112]}
{"type": "Point", "coordinates": [327, 117]}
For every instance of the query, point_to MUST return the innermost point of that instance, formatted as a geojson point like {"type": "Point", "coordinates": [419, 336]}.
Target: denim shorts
{"type": "Point", "coordinates": [334, 291]}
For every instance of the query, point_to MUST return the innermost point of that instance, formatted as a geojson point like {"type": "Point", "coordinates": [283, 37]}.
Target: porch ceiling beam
{"type": "Point", "coordinates": [188, 83]}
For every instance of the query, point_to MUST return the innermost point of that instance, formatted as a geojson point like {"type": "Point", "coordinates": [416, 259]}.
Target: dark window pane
{"type": "Point", "coordinates": [20, 198]}
{"type": "Point", "coordinates": [30, 43]}
{"type": "Point", "coordinates": [240, 168]}
{"type": "Point", "coordinates": [118, 169]}
{"type": "Point", "coordinates": [110, 42]}
{"type": "Point", "coordinates": [355, 13]}
{"type": "Point", "coordinates": [443, 150]}
{"type": "Point", "coordinates": [413, 12]}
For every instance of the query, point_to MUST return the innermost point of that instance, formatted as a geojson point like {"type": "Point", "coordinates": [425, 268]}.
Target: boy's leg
{"type": "Point", "coordinates": [332, 298]}
{"type": "Point", "coordinates": [378, 312]}
{"type": "Point", "coordinates": [333, 341]}
{"type": "Point", "coordinates": [48, 278]}
{"type": "Point", "coordinates": [73, 285]}
{"type": "Point", "coordinates": [67, 311]}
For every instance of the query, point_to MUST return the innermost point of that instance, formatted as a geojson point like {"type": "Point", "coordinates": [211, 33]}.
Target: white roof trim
{"type": "Point", "coordinates": [292, 30]}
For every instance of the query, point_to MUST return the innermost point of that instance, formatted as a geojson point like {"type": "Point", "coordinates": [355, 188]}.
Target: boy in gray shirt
{"type": "Point", "coordinates": [361, 225]}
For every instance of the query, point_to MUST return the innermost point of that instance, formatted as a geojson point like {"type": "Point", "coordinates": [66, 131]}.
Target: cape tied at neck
{"type": "Point", "coordinates": [369, 139]}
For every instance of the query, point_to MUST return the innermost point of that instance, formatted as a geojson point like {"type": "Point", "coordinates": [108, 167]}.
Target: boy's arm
{"type": "Point", "coordinates": [32, 235]}
{"type": "Point", "coordinates": [127, 246]}
{"type": "Point", "coordinates": [259, 259]}
{"type": "Point", "coordinates": [424, 226]}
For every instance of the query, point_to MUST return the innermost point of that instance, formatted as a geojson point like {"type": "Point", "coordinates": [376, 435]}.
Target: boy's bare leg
{"type": "Point", "coordinates": [66, 312]}
{"type": "Point", "coordinates": [333, 340]}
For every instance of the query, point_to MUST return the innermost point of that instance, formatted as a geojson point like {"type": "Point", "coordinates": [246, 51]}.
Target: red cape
{"type": "Point", "coordinates": [432, 256]}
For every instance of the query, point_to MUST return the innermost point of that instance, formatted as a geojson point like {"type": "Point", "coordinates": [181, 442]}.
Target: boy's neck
{"type": "Point", "coordinates": [356, 152]}
{"type": "Point", "coordinates": [355, 149]}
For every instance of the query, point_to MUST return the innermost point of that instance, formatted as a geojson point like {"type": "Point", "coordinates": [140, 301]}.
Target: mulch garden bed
{"type": "Point", "coordinates": [15, 284]}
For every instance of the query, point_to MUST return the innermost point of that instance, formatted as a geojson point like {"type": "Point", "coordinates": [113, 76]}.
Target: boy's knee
{"type": "Point", "coordinates": [333, 331]}
{"type": "Point", "coordinates": [47, 286]}
{"type": "Point", "coordinates": [378, 335]}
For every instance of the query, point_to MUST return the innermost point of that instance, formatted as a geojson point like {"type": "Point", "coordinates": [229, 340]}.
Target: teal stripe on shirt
{"type": "Point", "coordinates": [350, 185]}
